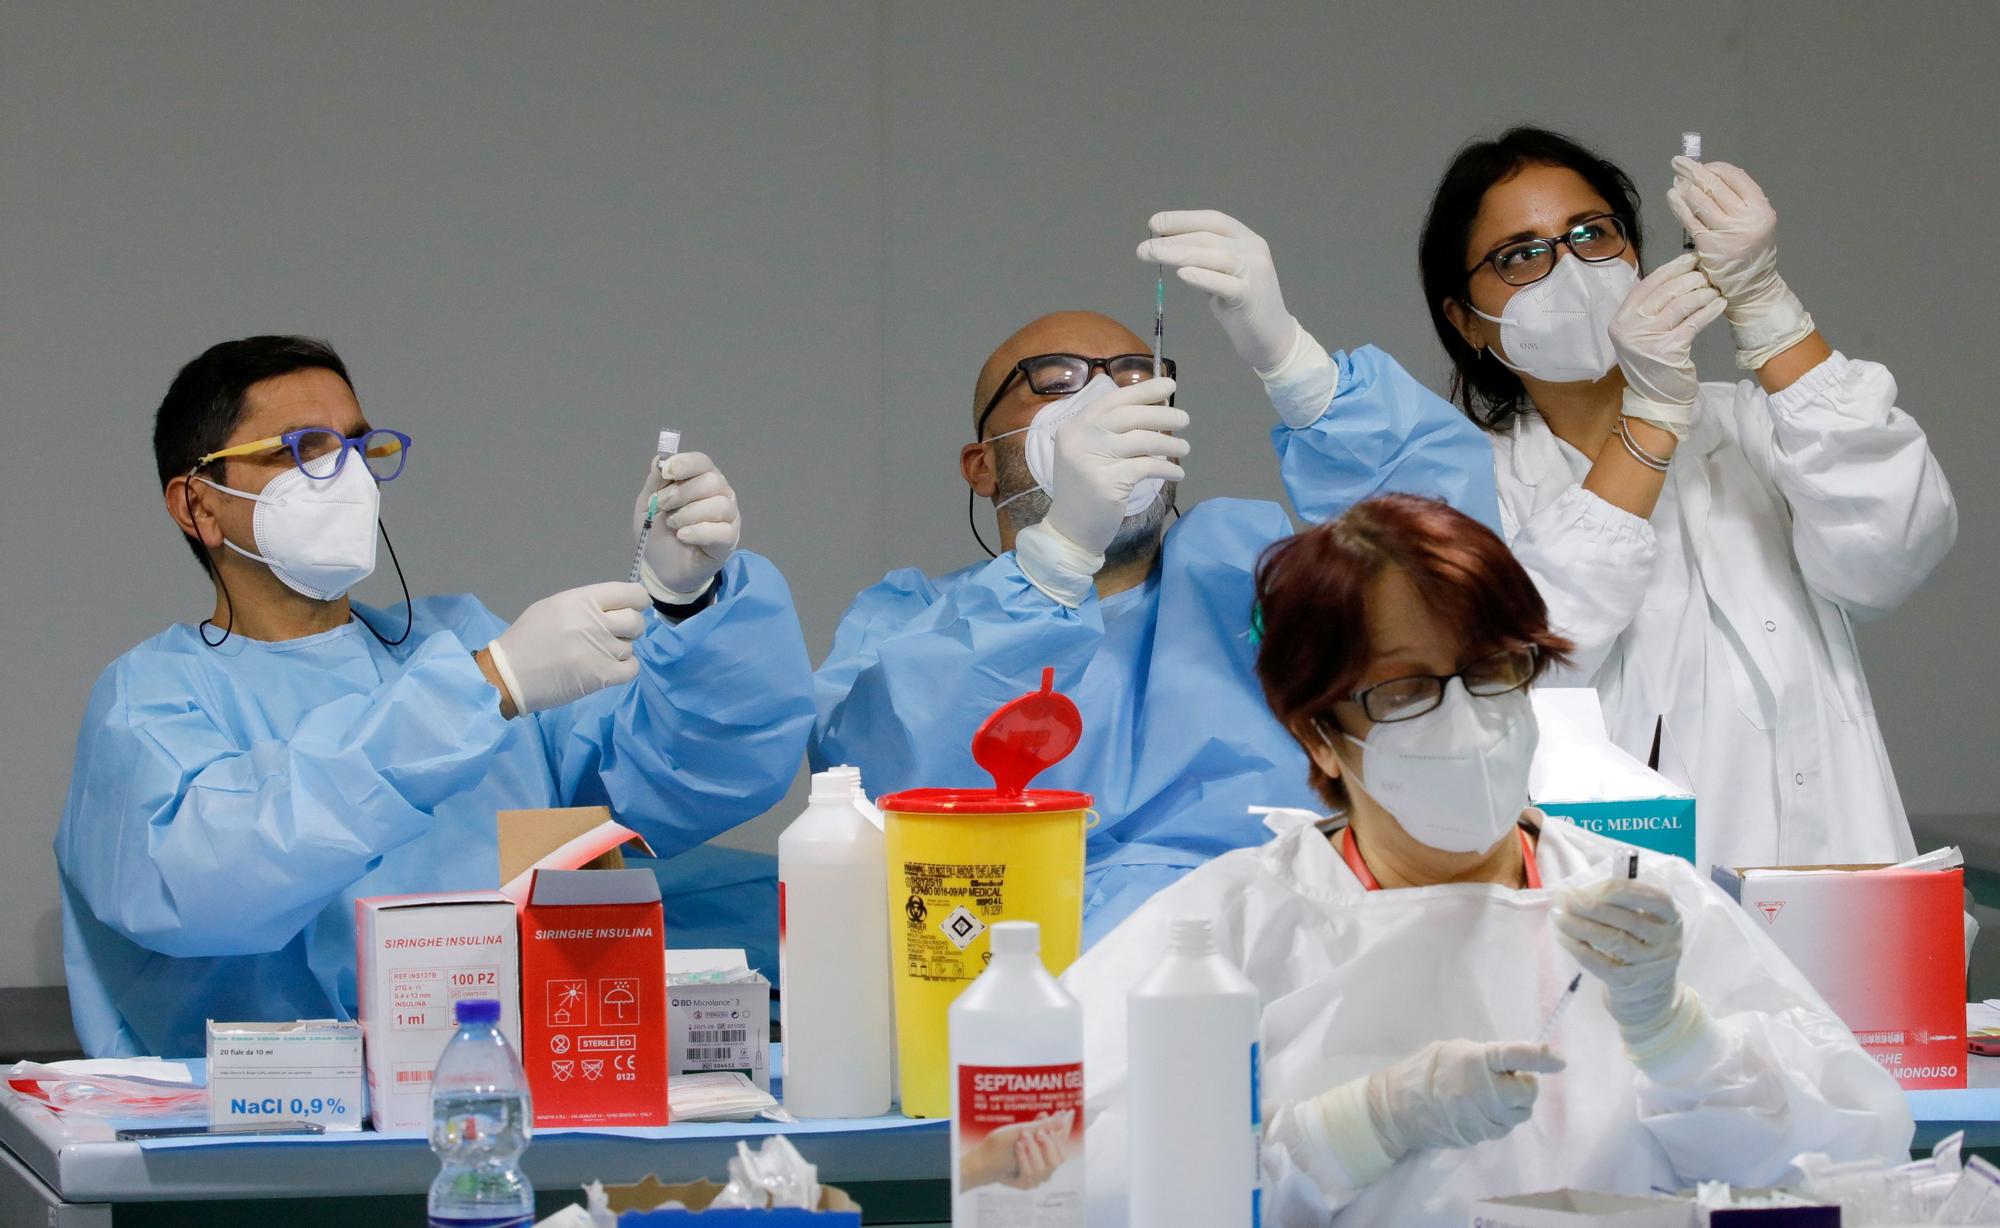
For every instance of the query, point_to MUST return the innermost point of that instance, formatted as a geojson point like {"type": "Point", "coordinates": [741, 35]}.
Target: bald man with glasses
{"type": "Point", "coordinates": [1146, 619]}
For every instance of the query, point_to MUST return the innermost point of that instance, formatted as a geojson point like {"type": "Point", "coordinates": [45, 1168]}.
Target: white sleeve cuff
{"type": "Point", "coordinates": [1056, 565]}
{"type": "Point", "coordinates": [1302, 386]}
{"type": "Point", "coordinates": [667, 596]}
{"type": "Point", "coordinates": [498, 656]}
{"type": "Point", "coordinates": [1342, 1115]}
{"type": "Point", "coordinates": [1680, 1047]}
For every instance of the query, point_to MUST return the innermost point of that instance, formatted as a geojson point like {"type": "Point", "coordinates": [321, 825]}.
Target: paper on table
{"type": "Point", "coordinates": [111, 1087]}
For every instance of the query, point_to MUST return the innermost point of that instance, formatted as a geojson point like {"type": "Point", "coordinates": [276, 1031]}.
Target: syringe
{"type": "Point", "coordinates": [1690, 148]}
{"type": "Point", "coordinates": [1159, 317]}
{"type": "Point", "coordinates": [670, 443]}
{"type": "Point", "coordinates": [1556, 1011]}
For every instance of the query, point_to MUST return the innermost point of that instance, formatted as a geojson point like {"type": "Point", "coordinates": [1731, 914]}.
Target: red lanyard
{"type": "Point", "coordinates": [1352, 856]}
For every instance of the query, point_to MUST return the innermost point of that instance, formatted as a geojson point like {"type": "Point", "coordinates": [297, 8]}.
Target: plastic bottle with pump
{"type": "Point", "coordinates": [1191, 1033]}
{"type": "Point", "coordinates": [1016, 1092]}
{"type": "Point", "coordinates": [481, 1121]}
{"type": "Point", "coordinates": [833, 958]}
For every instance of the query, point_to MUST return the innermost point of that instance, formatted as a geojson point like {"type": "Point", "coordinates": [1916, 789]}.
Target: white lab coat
{"type": "Point", "coordinates": [1352, 980]}
{"type": "Point", "coordinates": [1783, 520]}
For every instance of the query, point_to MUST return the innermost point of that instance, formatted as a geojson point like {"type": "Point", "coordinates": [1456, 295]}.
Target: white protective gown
{"type": "Point", "coordinates": [1785, 518]}
{"type": "Point", "coordinates": [1353, 980]}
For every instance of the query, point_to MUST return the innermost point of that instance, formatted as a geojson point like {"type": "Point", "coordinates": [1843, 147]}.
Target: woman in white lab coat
{"type": "Point", "coordinates": [1707, 547]}
{"type": "Point", "coordinates": [1406, 964]}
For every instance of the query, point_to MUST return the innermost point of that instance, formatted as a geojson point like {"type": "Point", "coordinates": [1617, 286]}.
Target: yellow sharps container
{"type": "Point", "coordinates": [962, 859]}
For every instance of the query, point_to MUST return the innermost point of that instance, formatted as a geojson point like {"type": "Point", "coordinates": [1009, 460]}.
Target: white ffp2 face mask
{"type": "Point", "coordinates": [1040, 446]}
{"type": "Point", "coordinates": [1456, 778]}
{"type": "Point", "coordinates": [1559, 329]}
{"type": "Point", "coordinates": [318, 537]}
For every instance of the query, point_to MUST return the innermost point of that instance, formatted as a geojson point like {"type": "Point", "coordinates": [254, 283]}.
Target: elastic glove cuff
{"type": "Point", "coordinates": [1350, 1132]}
{"type": "Point", "coordinates": [1670, 416]}
{"type": "Point", "coordinates": [1769, 326]}
{"type": "Point", "coordinates": [1056, 565]}
{"type": "Point", "coordinates": [1302, 385]}
{"type": "Point", "coordinates": [1680, 1041]}
{"type": "Point", "coordinates": [498, 655]}
{"type": "Point", "coordinates": [658, 590]}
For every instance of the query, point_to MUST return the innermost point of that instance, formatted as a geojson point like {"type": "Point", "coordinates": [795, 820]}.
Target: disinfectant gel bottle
{"type": "Point", "coordinates": [833, 958]}
{"type": "Point", "coordinates": [1016, 1092]}
{"type": "Point", "coordinates": [1191, 1029]}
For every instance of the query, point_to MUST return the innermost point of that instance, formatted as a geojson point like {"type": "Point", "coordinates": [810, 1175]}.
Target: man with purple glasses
{"type": "Point", "coordinates": [241, 781]}
{"type": "Point", "coordinates": [1148, 625]}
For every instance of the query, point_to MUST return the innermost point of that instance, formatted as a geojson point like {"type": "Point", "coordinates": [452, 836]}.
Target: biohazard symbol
{"type": "Point", "coordinates": [915, 910]}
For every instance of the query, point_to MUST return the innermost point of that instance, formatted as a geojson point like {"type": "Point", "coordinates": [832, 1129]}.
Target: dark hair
{"type": "Point", "coordinates": [1312, 600]}
{"type": "Point", "coordinates": [1488, 392]}
{"type": "Point", "coordinates": [205, 401]}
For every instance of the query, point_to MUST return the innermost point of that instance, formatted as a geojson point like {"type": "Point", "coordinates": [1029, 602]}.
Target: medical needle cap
{"type": "Point", "coordinates": [1016, 938]}
{"type": "Point", "coordinates": [476, 1010]}
{"type": "Point", "coordinates": [1026, 736]}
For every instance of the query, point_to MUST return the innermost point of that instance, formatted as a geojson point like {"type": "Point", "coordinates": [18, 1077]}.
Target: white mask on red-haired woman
{"type": "Point", "coordinates": [1456, 778]}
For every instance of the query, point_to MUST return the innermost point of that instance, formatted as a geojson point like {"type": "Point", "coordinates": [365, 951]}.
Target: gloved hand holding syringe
{"type": "Point", "coordinates": [685, 522]}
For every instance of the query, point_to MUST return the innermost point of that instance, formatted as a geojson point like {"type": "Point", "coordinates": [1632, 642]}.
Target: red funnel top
{"type": "Point", "coordinates": [1026, 736]}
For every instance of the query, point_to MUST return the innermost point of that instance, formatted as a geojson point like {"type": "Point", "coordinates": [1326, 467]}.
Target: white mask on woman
{"type": "Point", "coordinates": [316, 536]}
{"type": "Point", "coordinates": [1456, 778]}
{"type": "Point", "coordinates": [1559, 329]}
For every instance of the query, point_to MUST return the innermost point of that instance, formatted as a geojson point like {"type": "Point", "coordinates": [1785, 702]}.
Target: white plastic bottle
{"type": "Point", "coordinates": [1191, 1031]}
{"type": "Point", "coordinates": [1016, 1092]}
{"type": "Point", "coordinates": [833, 958]}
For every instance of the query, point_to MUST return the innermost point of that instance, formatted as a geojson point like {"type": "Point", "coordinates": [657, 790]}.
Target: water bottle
{"type": "Point", "coordinates": [480, 1124]}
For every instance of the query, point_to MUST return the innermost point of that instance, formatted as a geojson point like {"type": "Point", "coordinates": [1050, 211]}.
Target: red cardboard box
{"type": "Point", "coordinates": [594, 998]}
{"type": "Point", "coordinates": [1884, 946]}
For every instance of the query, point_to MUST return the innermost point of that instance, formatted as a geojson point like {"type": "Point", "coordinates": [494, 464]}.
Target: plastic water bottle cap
{"type": "Point", "coordinates": [476, 1010]}
{"type": "Point", "coordinates": [1017, 938]}
{"type": "Point", "coordinates": [1191, 936]}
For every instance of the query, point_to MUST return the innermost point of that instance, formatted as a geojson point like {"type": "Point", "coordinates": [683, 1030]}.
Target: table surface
{"type": "Point", "coordinates": [81, 1160]}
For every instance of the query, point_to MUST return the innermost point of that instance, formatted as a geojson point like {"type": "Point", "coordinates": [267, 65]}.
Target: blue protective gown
{"type": "Point", "coordinates": [229, 804]}
{"type": "Point", "coordinates": [1177, 741]}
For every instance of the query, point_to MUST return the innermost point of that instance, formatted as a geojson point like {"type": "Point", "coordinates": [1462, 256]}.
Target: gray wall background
{"type": "Point", "coordinates": [539, 233]}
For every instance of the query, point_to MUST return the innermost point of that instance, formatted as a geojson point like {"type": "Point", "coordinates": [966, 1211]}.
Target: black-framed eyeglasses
{"type": "Point", "coordinates": [1060, 375]}
{"type": "Point", "coordinates": [1403, 699]}
{"type": "Point", "coordinates": [1526, 261]}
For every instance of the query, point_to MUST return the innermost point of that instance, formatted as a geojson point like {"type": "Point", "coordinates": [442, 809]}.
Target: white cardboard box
{"type": "Point", "coordinates": [1580, 775]}
{"type": "Point", "coordinates": [718, 1026]}
{"type": "Point", "coordinates": [304, 1070]}
{"type": "Point", "coordinates": [419, 955]}
{"type": "Point", "coordinates": [1582, 1209]}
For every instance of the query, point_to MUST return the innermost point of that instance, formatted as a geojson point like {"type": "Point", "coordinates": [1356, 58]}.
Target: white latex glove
{"type": "Point", "coordinates": [1735, 234]}
{"type": "Point", "coordinates": [1653, 335]}
{"type": "Point", "coordinates": [1219, 255]}
{"type": "Point", "coordinates": [1108, 448]}
{"type": "Point", "coordinates": [1627, 934]}
{"type": "Point", "coordinates": [1456, 1093]}
{"type": "Point", "coordinates": [695, 532]}
{"type": "Point", "coordinates": [571, 644]}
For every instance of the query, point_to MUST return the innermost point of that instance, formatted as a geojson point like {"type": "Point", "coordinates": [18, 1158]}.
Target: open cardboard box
{"type": "Point", "coordinates": [1884, 946]}
{"type": "Point", "coordinates": [1580, 775]}
{"type": "Point", "coordinates": [635, 1205]}
{"type": "Point", "coordinates": [417, 955]}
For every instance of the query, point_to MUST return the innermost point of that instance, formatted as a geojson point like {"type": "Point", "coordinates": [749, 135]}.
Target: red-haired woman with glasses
{"type": "Point", "coordinates": [1707, 547]}
{"type": "Point", "coordinates": [1408, 958]}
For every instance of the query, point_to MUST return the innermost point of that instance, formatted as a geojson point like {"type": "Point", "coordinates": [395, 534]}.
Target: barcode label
{"type": "Point", "coordinates": [413, 1076]}
{"type": "Point", "coordinates": [719, 1053]}
{"type": "Point", "coordinates": [718, 1036]}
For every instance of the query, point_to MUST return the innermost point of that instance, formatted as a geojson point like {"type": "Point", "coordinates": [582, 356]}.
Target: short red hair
{"type": "Point", "coordinates": [1312, 604]}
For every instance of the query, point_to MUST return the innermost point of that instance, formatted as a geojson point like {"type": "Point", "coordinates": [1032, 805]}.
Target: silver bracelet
{"type": "Point", "coordinates": [1658, 464]}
